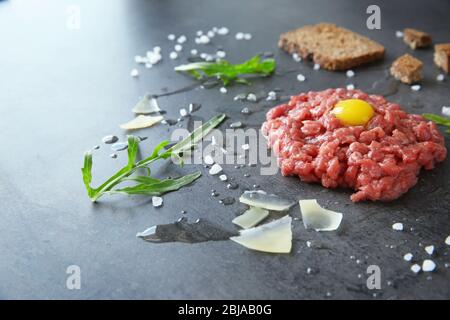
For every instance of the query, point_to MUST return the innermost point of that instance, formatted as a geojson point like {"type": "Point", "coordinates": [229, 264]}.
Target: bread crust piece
{"type": "Point", "coordinates": [407, 69]}
{"type": "Point", "coordinates": [330, 46]}
{"type": "Point", "coordinates": [416, 38]}
{"type": "Point", "coordinates": [442, 56]}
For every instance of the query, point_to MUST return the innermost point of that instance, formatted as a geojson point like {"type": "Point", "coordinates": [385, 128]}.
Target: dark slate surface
{"type": "Point", "coordinates": [62, 90]}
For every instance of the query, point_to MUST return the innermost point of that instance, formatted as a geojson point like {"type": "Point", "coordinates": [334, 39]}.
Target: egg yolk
{"type": "Point", "coordinates": [353, 112]}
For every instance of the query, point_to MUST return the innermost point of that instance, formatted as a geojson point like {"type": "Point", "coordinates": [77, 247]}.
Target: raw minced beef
{"type": "Point", "coordinates": [380, 161]}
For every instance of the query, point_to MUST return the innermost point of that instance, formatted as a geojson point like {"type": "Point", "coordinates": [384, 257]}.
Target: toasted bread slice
{"type": "Point", "coordinates": [442, 56]}
{"type": "Point", "coordinates": [407, 69]}
{"type": "Point", "coordinates": [416, 38]}
{"type": "Point", "coordinates": [332, 47]}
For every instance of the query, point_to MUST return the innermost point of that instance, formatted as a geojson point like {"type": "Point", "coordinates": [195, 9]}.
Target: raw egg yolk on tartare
{"type": "Point", "coordinates": [353, 112]}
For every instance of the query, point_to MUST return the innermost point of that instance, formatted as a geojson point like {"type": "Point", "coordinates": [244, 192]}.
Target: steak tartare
{"type": "Point", "coordinates": [379, 160]}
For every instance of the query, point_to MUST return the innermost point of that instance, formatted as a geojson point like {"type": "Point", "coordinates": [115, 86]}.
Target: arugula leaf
{"type": "Point", "coordinates": [145, 184]}
{"type": "Point", "coordinates": [157, 188]}
{"type": "Point", "coordinates": [228, 72]}
{"type": "Point", "coordinates": [445, 121]}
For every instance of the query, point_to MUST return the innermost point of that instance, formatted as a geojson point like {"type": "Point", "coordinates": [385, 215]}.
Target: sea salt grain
{"type": "Point", "coordinates": [296, 57]}
{"type": "Point", "coordinates": [399, 34]}
{"type": "Point", "coordinates": [301, 77]}
{"type": "Point", "coordinates": [134, 73]}
{"type": "Point", "coordinates": [178, 47]}
{"type": "Point", "coordinates": [173, 55]}
{"type": "Point", "coordinates": [239, 36]}
{"type": "Point", "coordinates": [181, 39]}
{"type": "Point", "coordinates": [415, 268]}
{"type": "Point", "coordinates": [171, 37]}
{"type": "Point", "coordinates": [157, 201]}
{"type": "Point", "coordinates": [157, 49]}
{"type": "Point", "coordinates": [204, 39]}
{"type": "Point", "coordinates": [428, 265]}
{"type": "Point", "coordinates": [221, 54]}
{"type": "Point", "coordinates": [223, 177]}
{"type": "Point", "coordinates": [429, 250]}
{"type": "Point", "coordinates": [416, 87]}
{"type": "Point", "coordinates": [194, 52]}
{"type": "Point", "coordinates": [183, 112]}
{"type": "Point", "coordinates": [208, 159]}
{"type": "Point", "coordinates": [251, 97]}
{"type": "Point", "coordinates": [223, 31]}
{"type": "Point", "coordinates": [350, 86]}
{"type": "Point", "coordinates": [350, 73]}
{"type": "Point", "coordinates": [440, 77]}
{"type": "Point", "coordinates": [397, 226]}
{"type": "Point", "coordinates": [245, 146]}
{"type": "Point", "coordinates": [199, 33]}
{"type": "Point", "coordinates": [316, 66]}
{"type": "Point", "coordinates": [247, 36]}
{"type": "Point", "coordinates": [447, 240]}
{"type": "Point", "coordinates": [223, 90]}
{"type": "Point", "coordinates": [215, 169]}
{"type": "Point", "coordinates": [408, 257]}
{"type": "Point", "coordinates": [210, 34]}
{"type": "Point", "coordinates": [446, 111]}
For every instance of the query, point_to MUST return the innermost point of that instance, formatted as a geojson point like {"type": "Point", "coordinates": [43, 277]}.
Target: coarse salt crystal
{"type": "Point", "coordinates": [199, 33]}
{"type": "Point", "coordinates": [399, 34]}
{"type": "Point", "coordinates": [415, 268]}
{"type": "Point", "coordinates": [428, 265]}
{"type": "Point", "coordinates": [350, 86]}
{"type": "Point", "coordinates": [408, 257]}
{"type": "Point", "coordinates": [171, 37]}
{"type": "Point", "coordinates": [245, 146]}
{"type": "Point", "coordinates": [316, 66]}
{"type": "Point", "coordinates": [181, 39]}
{"type": "Point", "coordinates": [416, 87]}
{"type": "Point", "coordinates": [134, 73]}
{"type": "Point", "coordinates": [251, 97]}
{"type": "Point", "coordinates": [194, 52]}
{"type": "Point", "coordinates": [247, 36]}
{"type": "Point", "coordinates": [223, 177]}
{"type": "Point", "coordinates": [223, 90]}
{"type": "Point", "coordinates": [239, 36]}
{"type": "Point", "coordinates": [223, 31]}
{"type": "Point", "coordinates": [429, 249]}
{"type": "Point", "coordinates": [296, 57]}
{"type": "Point", "coordinates": [221, 54]}
{"type": "Point", "coordinates": [446, 111]}
{"type": "Point", "coordinates": [447, 240]}
{"type": "Point", "coordinates": [157, 49]}
{"type": "Point", "coordinates": [204, 39]}
{"type": "Point", "coordinates": [183, 112]}
{"type": "Point", "coordinates": [210, 34]}
{"type": "Point", "coordinates": [398, 226]}
{"type": "Point", "coordinates": [148, 65]}
{"type": "Point", "coordinates": [178, 47]}
{"type": "Point", "coordinates": [157, 201]}
{"type": "Point", "coordinates": [440, 77]}
{"type": "Point", "coordinates": [215, 169]}
{"type": "Point", "coordinates": [208, 159]}
{"type": "Point", "coordinates": [301, 77]}
{"type": "Point", "coordinates": [173, 55]}
{"type": "Point", "coordinates": [350, 73]}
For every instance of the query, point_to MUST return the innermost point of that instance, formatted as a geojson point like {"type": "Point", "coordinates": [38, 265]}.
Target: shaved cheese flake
{"type": "Point", "coordinates": [274, 237]}
{"type": "Point", "coordinates": [146, 105]}
{"type": "Point", "coordinates": [251, 217]}
{"type": "Point", "coordinates": [263, 200]}
{"type": "Point", "coordinates": [317, 218]}
{"type": "Point", "coordinates": [141, 121]}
